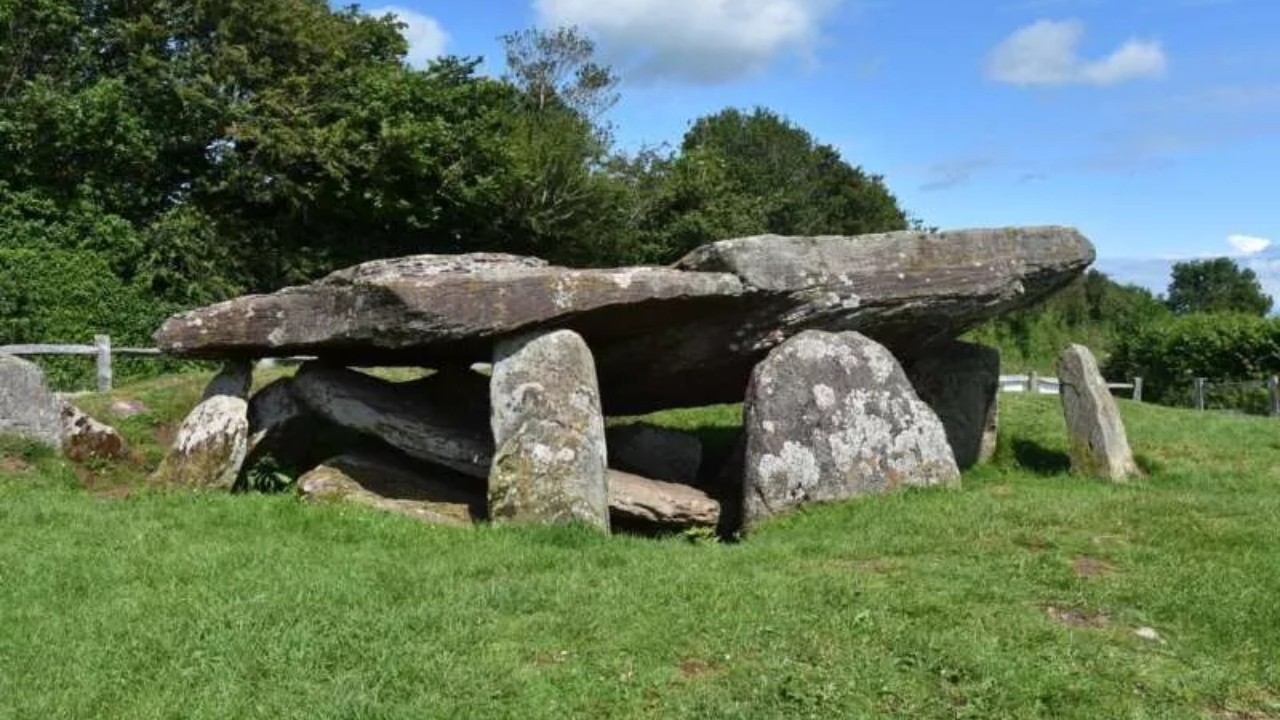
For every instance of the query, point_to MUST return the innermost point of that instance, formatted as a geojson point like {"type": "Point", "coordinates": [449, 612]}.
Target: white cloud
{"type": "Point", "coordinates": [699, 41]}
{"type": "Point", "coordinates": [1248, 244]}
{"type": "Point", "coordinates": [427, 39]}
{"type": "Point", "coordinates": [1047, 52]}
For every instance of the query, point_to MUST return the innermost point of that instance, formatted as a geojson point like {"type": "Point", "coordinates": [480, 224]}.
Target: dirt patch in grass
{"type": "Point", "coordinates": [1088, 567]}
{"type": "Point", "coordinates": [14, 465]}
{"type": "Point", "coordinates": [1001, 490]}
{"type": "Point", "coordinates": [1077, 618]}
{"type": "Point", "coordinates": [694, 667]}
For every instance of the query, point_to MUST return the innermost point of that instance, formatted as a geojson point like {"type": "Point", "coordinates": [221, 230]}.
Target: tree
{"type": "Point", "coordinates": [1217, 285]}
{"type": "Point", "coordinates": [806, 188]}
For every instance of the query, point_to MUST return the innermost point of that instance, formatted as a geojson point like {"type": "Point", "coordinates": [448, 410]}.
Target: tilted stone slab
{"type": "Point", "coordinates": [1099, 446]}
{"type": "Point", "coordinates": [433, 496]}
{"type": "Point", "coordinates": [661, 337]}
{"type": "Point", "coordinates": [403, 415]}
{"type": "Point", "coordinates": [650, 503]}
{"type": "Point", "coordinates": [550, 461]}
{"type": "Point", "coordinates": [830, 417]}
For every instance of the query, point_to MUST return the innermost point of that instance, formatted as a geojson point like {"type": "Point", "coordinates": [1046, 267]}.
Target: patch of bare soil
{"type": "Point", "coordinates": [14, 465]}
{"type": "Point", "coordinates": [1001, 490]}
{"type": "Point", "coordinates": [1087, 567]}
{"type": "Point", "coordinates": [1077, 618]}
{"type": "Point", "coordinates": [693, 667]}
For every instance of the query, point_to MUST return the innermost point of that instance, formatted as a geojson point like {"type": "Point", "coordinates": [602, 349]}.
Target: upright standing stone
{"type": "Point", "coordinates": [961, 382]}
{"type": "Point", "coordinates": [27, 408]}
{"type": "Point", "coordinates": [550, 465]}
{"type": "Point", "coordinates": [233, 380]}
{"type": "Point", "coordinates": [1099, 446]}
{"type": "Point", "coordinates": [210, 446]}
{"type": "Point", "coordinates": [833, 416]}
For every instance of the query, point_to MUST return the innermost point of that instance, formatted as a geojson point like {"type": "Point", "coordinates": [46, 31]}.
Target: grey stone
{"type": "Point", "coordinates": [233, 380]}
{"type": "Point", "coordinates": [655, 452]}
{"type": "Point", "coordinates": [548, 429]}
{"type": "Point", "coordinates": [833, 416]}
{"type": "Point", "coordinates": [27, 408]}
{"type": "Point", "coordinates": [210, 446]}
{"type": "Point", "coordinates": [640, 501]}
{"type": "Point", "coordinates": [1099, 446]}
{"type": "Point", "coordinates": [661, 337]}
{"type": "Point", "coordinates": [434, 495]}
{"type": "Point", "coordinates": [84, 438]}
{"type": "Point", "coordinates": [406, 416]}
{"type": "Point", "coordinates": [961, 382]}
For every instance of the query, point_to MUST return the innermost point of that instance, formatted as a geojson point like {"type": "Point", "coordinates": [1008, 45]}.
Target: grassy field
{"type": "Point", "coordinates": [1017, 596]}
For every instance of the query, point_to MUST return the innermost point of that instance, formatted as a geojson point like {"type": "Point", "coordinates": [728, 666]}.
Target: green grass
{"type": "Point", "coordinates": [921, 604]}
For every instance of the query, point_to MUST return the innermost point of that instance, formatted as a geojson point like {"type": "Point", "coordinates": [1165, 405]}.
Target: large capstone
{"type": "Point", "coordinates": [961, 382]}
{"type": "Point", "coordinates": [832, 416]}
{"type": "Point", "coordinates": [27, 409]}
{"type": "Point", "coordinates": [550, 464]}
{"type": "Point", "coordinates": [679, 336]}
{"type": "Point", "coordinates": [1099, 446]}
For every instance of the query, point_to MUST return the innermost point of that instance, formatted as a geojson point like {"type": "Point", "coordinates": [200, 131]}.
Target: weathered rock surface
{"type": "Point", "coordinates": [639, 501]}
{"type": "Point", "coordinates": [233, 380]}
{"type": "Point", "coordinates": [84, 438]}
{"type": "Point", "coordinates": [833, 416]}
{"type": "Point", "coordinates": [210, 446]}
{"type": "Point", "coordinates": [1099, 446]}
{"type": "Point", "coordinates": [655, 452]}
{"type": "Point", "coordinates": [406, 416]}
{"type": "Point", "coordinates": [27, 408]}
{"type": "Point", "coordinates": [434, 496]}
{"type": "Point", "coordinates": [551, 460]}
{"type": "Point", "coordinates": [961, 382]}
{"type": "Point", "coordinates": [662, 337]}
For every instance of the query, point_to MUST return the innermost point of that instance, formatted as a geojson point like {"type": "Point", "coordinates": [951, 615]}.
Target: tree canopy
{"type": "Point", "coordinates": [198, 149]}
{"type": "Point", "coordinates": [1216, 285]}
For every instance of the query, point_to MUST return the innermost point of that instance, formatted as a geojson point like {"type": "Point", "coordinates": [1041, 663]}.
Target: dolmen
{"type": "Point", "coordinates": [843, 350]}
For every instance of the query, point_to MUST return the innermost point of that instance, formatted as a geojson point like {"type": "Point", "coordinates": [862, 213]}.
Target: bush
{"type": "Point", "coordinates": [1169, 355]}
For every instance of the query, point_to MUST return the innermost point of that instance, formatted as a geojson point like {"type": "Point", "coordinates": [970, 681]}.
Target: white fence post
{"type": "Point", "coordinates": [103, 345]}
{"type": "Point", "coordinates": [1137, 388]}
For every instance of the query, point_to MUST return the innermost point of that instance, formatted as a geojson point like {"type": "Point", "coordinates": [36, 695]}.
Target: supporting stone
{"type": "Point", "coordinates": [1099, 446]}
{"type": "Point", "coordinates": [833, 416]}
{"type": "Point", "coordinates": [210, 446]}
{"type": "Point", "coordinates": [961, 382]}
{"type": "Point", "coordinates": [551, 462]}
{"type": "Point", "coordinates": [435, 496]}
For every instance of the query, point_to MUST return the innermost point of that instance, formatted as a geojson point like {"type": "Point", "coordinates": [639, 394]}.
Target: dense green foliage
{"type": "Point", "coordinates": [1094, 311]}
{"type": "Point", "coordinates": [1220, 346]}
{"type": "Point", "coordinates": [1216, 286]}
{"type": "Point", "coordinates": [204, 148]}
{"type": "Point", "coordinates": [1016, 596]}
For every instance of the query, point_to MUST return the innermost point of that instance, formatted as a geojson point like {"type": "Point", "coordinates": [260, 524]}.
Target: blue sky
{"type": "Point", "coordinates": [1151, 125]}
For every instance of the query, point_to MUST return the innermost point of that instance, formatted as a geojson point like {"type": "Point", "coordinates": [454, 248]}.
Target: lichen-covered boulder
{"type": "Point", "coordinates": [832, 416]}
{"type": "Point", "coordinates": [655, 452]}
{"type": "Point", "coordinates": [27, 408]}
{"type": "Point", "coordinates": [84, 438]}
{"type": "Point", "coordinates": [1099, 446]}
{"type": "Point", "coordinates": [210, 446]}
{"type": "Point", "coordinates": [437, 496]}
{"type": "Point", "coordinates": [550, 464]}
{"type": "Point", "coordinates": [961, 382]}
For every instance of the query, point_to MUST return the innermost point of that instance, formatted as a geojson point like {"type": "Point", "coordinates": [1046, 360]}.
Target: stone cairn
{"type": "Point", "coordinates": [842, 349]}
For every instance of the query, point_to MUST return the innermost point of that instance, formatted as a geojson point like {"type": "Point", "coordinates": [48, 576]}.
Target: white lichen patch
{"type": "Point", "coordinates": [824, 396]}
{"type": "Point", "coordinates": [795, 468]}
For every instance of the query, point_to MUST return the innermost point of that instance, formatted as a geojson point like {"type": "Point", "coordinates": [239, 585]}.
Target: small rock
{"type": "Point", "coordinates": [653, 503]}
{"type": "Point", "coordinates": [1147, 633]}
{"type": "Point", "coordinates": [84, 438]}
{"type": "Point", "coordinates": [125, 408]}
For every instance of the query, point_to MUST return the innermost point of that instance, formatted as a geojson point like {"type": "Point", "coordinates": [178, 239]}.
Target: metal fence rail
{"type": "Point", "coordinates": [1033, 383]}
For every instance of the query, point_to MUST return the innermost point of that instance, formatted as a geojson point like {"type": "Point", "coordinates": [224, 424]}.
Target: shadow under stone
{"type": "Point", "coordinates": [1040, 460]}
